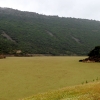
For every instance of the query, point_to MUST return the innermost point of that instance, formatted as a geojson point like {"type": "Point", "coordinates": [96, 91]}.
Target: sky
{"type": "Point", "coordinates": [85, 9]}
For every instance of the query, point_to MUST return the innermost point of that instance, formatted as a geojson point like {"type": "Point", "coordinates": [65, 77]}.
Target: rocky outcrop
{"type": "Point", "coordinates": [90, 59]}
{"type": "Point", "coordinates": [8, 37]}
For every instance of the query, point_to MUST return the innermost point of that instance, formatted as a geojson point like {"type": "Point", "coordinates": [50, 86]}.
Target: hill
{"type": "Point", "coordinates": [90, 91]}
{"type": "Point", "coordinates": [33, 33]}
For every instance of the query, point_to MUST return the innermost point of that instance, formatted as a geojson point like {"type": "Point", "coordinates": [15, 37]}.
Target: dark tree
{"type": "Point", "coordinates": [94, 55]}
{"type": "Point", "coordinates": [95, 52]}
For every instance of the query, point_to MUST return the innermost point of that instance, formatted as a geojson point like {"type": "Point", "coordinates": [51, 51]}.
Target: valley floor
{"type": "Point", "coordinates": [22, 77]}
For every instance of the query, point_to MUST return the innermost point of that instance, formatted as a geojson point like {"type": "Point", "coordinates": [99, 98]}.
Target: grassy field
{"type": "Point", "coordinates": [21, 77]}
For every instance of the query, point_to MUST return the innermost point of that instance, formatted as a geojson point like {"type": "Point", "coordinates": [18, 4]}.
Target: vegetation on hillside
{"type": "Point", "coordinates": [33, 33]}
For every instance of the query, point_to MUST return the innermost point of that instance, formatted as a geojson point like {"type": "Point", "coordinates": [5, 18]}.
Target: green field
{"type": "Point", "coordinates": [21, 77]}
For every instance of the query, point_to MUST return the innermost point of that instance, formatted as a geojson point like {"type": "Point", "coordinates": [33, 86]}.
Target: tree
{"type": "Point", "coordinates": [94, 55]}
{"type": "Point", "coordinates": [95, 52]}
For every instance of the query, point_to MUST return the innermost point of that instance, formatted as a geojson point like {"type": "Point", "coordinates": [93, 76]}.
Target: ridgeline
{"type": "Point", "coordinates": [33, 33]}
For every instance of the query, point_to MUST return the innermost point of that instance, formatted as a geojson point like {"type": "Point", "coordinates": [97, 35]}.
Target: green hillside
{"type": "Point", "coordinates": [34, 33]}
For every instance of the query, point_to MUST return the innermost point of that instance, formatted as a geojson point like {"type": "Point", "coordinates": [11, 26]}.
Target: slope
{"type": "Point", "coordinates": [90, 91]}
{"type": "Point", "coordinates": [40, 34]}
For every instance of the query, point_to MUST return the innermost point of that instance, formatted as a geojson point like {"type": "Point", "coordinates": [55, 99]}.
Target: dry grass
{"type": "Point", "coordinates": [90, 91]}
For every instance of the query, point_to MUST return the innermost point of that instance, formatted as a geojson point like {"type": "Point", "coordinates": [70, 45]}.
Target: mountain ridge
{"type": "Point", "coordinates": [41, 34]}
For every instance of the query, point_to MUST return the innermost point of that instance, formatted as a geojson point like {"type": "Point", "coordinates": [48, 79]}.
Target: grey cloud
{"type": "Point", "coordinates": [88, 9]}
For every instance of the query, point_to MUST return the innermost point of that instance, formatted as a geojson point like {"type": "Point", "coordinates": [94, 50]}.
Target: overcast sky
{"type": "Point", "coordinates": [88, 9]}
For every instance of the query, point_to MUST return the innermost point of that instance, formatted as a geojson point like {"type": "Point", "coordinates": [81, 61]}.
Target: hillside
{"type": "Point", "coordinates": [34, 33]}
{"type": "Point", "coordinates": [90, 91]}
